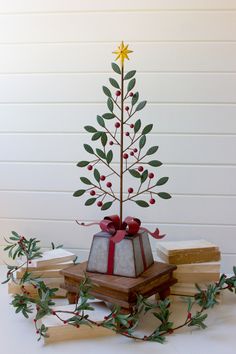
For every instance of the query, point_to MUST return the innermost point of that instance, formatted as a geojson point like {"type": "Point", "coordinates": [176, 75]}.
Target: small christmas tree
{"type": "Point", "coordinates": [130, 137]}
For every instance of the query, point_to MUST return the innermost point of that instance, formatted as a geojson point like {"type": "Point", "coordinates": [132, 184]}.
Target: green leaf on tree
{"type": "Point", "coordinates": [137, 125]}
{"type": "Point", "coordinates": [116, 68]}
{"type": "Point", "coordinates": [101, 153]}
{"type": "Point", "coordinates": [155, 163]}
{"type": "Point", "coordinates": [85, 180]}
{"type": "Point", "coordinates": [164, 195]}
{"type": "Point", "coordinates": [90, 129]}
{"type": "Point", "coordinates": [131, 84]}
{"type": "Point", "coordinates": [106, 205]}
{"type": "Point", "coordinates": [88, 149]}
{"type": "Point", "coordinates": [135, 173]}
{"type": "Point", "coordinates": [110, 104]}
{"type": "Point", "coordinates": [82, 163]}
{"type": "Point", "coordinates": [96, 175]}
{"type": "Point", "coordinates": [90, 201]}
{"type": "Point", "coordinates": [97, 135]}
{"type": "Point", "coordinates": [108, 115]}
{"type": "Point", "coordinates": [130, 74]}
{"type": "Point", "coordinates": [135, 98]}
{"type": "Point", "coordinates": [109, 156]}
{"type": "Point", "coordinates": [142, 141]}
{"type": "Point", "coordinates": [106, 91]}
{"type": "Point", "coordinates": [144, 176]}
{"type": "Point", "coordinates": [104, 139]}
{"type": "Point", "coordinates": [141, 105]}
{"type": "Point", "coordinates": [162, 181]}
{"type": "Point", "coordinates": [114, 83]}
{"type": "Point", "coordinates": [142, 203]}
{"type": "Point", "coordinates": [147, 129]}
{"type": "Point", "coordinates": [152, 150]}
{"type": "Point", "coordinates": [100, 121]}
{"type": "Point", "coordinates": [79, 193]}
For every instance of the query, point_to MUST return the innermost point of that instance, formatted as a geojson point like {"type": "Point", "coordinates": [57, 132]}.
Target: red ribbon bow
{"type": "Point", "coordinates": [130, 226]}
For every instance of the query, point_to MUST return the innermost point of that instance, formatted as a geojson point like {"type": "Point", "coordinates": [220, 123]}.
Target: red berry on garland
{"type": "Point", "coordinates": [92, 192]}
{"type": "Point", "coordinates": [152, 201]}
{"type": "Point", "coordinates": [111, 142]}
{"type": "Point", "coordinates": [131, 94]}
{"type": "Point", "coordinates": [130, 190]}
{"type": "Point", "coordinates": [65, 322]}
{"type": "Point", "coordinates": [37, 331]}
{"type": "Point", "coordinates": [35, 320]}
{"type": "Point", "coordinates": [151, 175]}
{"type": "Point", "coordinates": [113, 315]}
{"type": "Point", "coordinates": [127, 133]}
{"type": "Point", "coordinates": [99, 204]}
{"type": "Point", "coordinates": [131, 125]}
{"type": "Point", "coordinates": [131, 153]}
{"type": "Point", "coordinates": [77, 326]}
{"type": "Point", "coordinates": [145, 337]}
{"type": "Point", "coordinates": [125, 156]}
{"type": "Point", "coordinates": [117, 125]}
{"type": "Point", "coordinates": [135, 150]}
{"type": "Point", "coordinates": [30, 262]}
{"type": "Point", "coordinates": [102, 178]}
{"type": "Point", "coordinates": [189, 315]}
{"type": "Point", "coordinates": [140, 168]}
{"type": "Point", "coordinates": [90, 167]}
{"type": "Point", "coordinates": [105, 318]}
{"type": "Point", "coordinates": [109, 184]}
{"type": "Point", "coordinates": [127, 108]}
{"type": "Point", "coordinates": [118, 93]}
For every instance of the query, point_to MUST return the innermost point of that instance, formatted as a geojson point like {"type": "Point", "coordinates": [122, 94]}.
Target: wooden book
{"type": "Point", "coordinates": [195, 277]}
{"type": "Point", "coordinates": [183, 252]}
{"type": "Point", "coordinates": [54, 273]}
{"type": "Point", "coordinates": [16, 288]}
{"type": "Point", "coordinates": [58, 331]}
{"type": "Point", "coordinates": [199, 267]}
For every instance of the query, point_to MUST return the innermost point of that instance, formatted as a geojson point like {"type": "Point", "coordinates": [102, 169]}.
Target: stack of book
{"type": "Point", "coordinates": [46, 268]}
{"type": "Point", "coordinates": [198, 262]}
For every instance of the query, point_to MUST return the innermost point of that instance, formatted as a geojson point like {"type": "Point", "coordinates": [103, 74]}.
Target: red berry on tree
{"type": "Point", "coordinates": [99, 204]}
{"type": "Point", "coordinates": [151, 175]}
{"type": "Point", "coordinates": [92, 192]}
{"type": "Point", "coordinates": [127, 133]}
{"type": "Point", "coordinates": [111, 142]}
{"type": "Point", "coordinates": [140, 168]}
{"type": "Point", "coordinates": [117, 125]}
{"type": "Point", "coordinates": [90, 167]}
{"type": "Point", "coordinates": [125, 156]}
{"type": "Point", "coordinates": [131, 125]}
{"type": "Point", "coordinates": [152, 201]}
{"type": "Point", "coordinates": [102, 178]}
{"type": "Point", "coordinates": [135, 150]}
{"type": "Point", "coordinates": [118, 93]}
{"type": "Point", "coordinates": [127, 108]}
{"type": "Point", "coordinates": [131, 94]}
{"type": "Point", "coordinates": [130, 190]}
{"type": "Point", "coordinates": [131, 153]}
{"type": "Point", "coordinates": [109, 184]}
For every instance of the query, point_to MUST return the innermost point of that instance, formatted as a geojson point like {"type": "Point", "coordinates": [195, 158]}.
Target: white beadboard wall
{"type": "Point", "coordinates": [54, 58]}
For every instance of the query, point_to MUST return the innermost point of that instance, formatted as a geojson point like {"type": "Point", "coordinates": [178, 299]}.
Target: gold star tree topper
{"type": "Point", "coordinates": [122, 52]}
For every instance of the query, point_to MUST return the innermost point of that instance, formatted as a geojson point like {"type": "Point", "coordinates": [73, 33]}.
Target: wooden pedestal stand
{"type": "Point", "coordinates": [119, 290]}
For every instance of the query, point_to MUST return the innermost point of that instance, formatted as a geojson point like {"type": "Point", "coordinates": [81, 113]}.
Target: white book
{"type": "Point", "coordinates": [53, 266]}
{"type": "Point", "coordinates": [172, 247]}
{"type": "Point", "coordinates": [58, 255]}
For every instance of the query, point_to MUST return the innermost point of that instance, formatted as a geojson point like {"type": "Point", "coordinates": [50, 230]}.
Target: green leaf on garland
{"type": "Point", "coordinates": [96, 175]}
{"type": "Point", "coordinates": [104, 139]}
{"type": "Point", "coordinates": [135, 173]}
{"type": "Point", "coordinates": [97, 135]}
{"type": "Point", "coordinates": [155, 163]}
{"type": "Point", "coordinates": [137, 125]}
{"type": "Point", "coordinates": [90, 201]}
{"type": "Point", "coordinates": [147, 129]}
{"type": "Point", "coordinates": [88, 149]}
{"type": "Point", "coordinates": [101, 154]}
{"type": "Point", "coordinates": [131, 85]}
{"type": "Point", "coordinates": [79, 193]}
{"type": "Point", "coordinates": [108, 115]}
{"type": "Point", "coordinates": [130, 74]}
{"type": "Point", "coordinates": [116, 68]}
{"type": "Point", "coordinates": [135, 98]}
{"type": "Point", "coordinates": [100, 121]}
{"type": "Point", "coordinates": [106, 91]}
{"type": "Point", "coordinates": [109, 156]}
{"type": "Point", "coordinates": [90, 129]}
{"type": "Point", "coordinates": [85, 180]}
{"type": "Point", "coordinates": [110, 104]}
{"type": "Point", "coordinates": [142, 203]}
{"type": "Point", "coordinates": [144, 176]}
{"type": "Point", "coordinates": [162, 181]}
{"type": "Point", "coordinates": [142, 141]}
{"type": "Point", "coordinates": [141, 105]}
{"type": "Point", "coordinates": [152, 150]}
{"type": "Point", "coordinates": [114, 83]}
{"type": "Point", "coordinates": [164, 195]}
{"type": "Point", "coordinates": [82, 163]}
{"type": "Point", "coordinates": [106, 205]}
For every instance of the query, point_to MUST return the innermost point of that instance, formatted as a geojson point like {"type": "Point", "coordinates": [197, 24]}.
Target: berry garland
{"type": "Point", "coordinates": [124, 324]}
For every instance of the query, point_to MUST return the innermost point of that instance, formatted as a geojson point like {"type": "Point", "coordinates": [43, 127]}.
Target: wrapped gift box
{"type": "Point", "coordinates": [129, 257]}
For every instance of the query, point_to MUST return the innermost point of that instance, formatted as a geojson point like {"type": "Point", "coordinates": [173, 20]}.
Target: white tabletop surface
{"type": "Point", "coordinates": [17, 334]}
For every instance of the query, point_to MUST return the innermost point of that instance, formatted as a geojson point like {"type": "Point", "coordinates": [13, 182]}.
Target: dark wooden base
{"type": "Point", "coordinates": [118, 290]}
